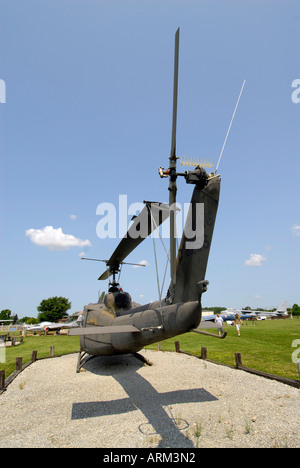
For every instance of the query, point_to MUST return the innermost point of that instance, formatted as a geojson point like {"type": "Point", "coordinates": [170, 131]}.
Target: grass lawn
{"type": "Point", "coordinates": [265, 346]}
{"type": "Point", "coordinates": [63, 345]}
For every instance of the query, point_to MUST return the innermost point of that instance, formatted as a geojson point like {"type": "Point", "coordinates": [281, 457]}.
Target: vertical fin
{"type": "Point", "coordinates": [192, 263]}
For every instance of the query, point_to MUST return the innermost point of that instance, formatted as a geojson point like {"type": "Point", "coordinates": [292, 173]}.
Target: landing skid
{"type": "Point", "coordinates": [143, 359]}
{"type": "Point", "coordinates": [224, 334]}
{"type": "Point", "coordinates": [84, 357]}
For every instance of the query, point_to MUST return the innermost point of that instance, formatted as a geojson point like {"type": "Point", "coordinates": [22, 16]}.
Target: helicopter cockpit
{"type": "Point", "coordinates": [116, 299]}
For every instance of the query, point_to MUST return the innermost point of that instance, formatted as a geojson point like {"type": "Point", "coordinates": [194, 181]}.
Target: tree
{"type": "Point", "coordinates": [15, 319]}
{"type": "Point", "coordinates": [296, 309]}
{"type": "Point", "coordinates": [53, 309]}
{"type": "Point", "coordinates": [215, 310]}
{"type": "Point", "coordinates": [5, 314]}
{"type": "Point", "coordinates": [29, 320]}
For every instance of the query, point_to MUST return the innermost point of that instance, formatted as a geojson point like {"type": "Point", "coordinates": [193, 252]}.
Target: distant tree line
{"type": "Point", "coordinates": [216, 310]}
{"type": "Point", "coordinates": [5, 314]}
{"type": "Point", "coordinates": [52, 309]}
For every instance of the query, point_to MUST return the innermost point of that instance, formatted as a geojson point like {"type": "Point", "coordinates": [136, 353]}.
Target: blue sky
{"type": "Point", "coordinates": [87, 118]}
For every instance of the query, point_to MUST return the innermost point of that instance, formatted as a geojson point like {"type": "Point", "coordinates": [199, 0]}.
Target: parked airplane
{"type": "Point", "coordinates": [39, 327]}
{"type": "Point", "coordinates": [51, 326]}
{"type": "Point", "coordinates": [282, 309]}
{"type": "Point", "coordinates": [279, 312]}
{"type": "Point", "coordinates": [228, 314]}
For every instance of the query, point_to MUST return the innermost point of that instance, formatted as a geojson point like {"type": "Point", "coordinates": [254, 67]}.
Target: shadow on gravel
{"type": "Point", "coordinates": [141, 396]}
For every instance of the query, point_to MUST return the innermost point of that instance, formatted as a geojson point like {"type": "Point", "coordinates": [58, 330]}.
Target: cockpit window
{"type": "Point", "coordinates": [123, 300]}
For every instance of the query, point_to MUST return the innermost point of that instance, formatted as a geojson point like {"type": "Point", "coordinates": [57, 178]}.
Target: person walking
{"type": "Point", "coordinates": [219, 321]}
{"type": "Point", "coordinates": [237, 323]}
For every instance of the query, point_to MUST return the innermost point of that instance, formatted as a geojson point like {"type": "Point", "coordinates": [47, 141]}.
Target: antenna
{"type": "Point", "coordinates": [236, 106]}
{"type": "Point", "coordinates": [196, 163]}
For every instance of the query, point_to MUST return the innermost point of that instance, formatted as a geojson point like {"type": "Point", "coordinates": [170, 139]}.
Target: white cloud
{"type": "Point", "coordinates": [55, 239]}
{"type": "Point", "coordinates": [141, 263]}
{"type": "Point", "coordinates": [73, 217]}
{"type": "Point", "coordinates": [295, 230]}
{"type": "Point", "coordinates": [255, 260]}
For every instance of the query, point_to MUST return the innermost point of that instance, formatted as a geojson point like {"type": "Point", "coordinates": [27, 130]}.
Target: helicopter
{"type": "Point", "coordinates": [115, 325]}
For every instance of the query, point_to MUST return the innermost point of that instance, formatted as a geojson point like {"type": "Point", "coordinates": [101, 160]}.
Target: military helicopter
{"type": "Point", "coordinates": [115, 325]}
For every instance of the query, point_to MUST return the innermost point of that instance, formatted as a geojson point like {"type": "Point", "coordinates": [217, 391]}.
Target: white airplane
{"type": "Point", "coordinates": [51, 326]}
{"type": "Point", "coordinates": [282, 309]}
{"type": "Point", "coordinates": [279, 312]}
{"type": "Point", "coordinates": [38, 327]}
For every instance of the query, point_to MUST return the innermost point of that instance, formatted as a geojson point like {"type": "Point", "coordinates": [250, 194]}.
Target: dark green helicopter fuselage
{"type": "Point", "coordinates": [155, 321]}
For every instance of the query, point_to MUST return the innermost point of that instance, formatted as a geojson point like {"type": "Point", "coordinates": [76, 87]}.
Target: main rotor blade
{"type": "Point", "coordinates": [151, 217]}
{"type": "Point", "coordinates": [175, 94]}
{"type": "Point", "coordinates": [172, 180]}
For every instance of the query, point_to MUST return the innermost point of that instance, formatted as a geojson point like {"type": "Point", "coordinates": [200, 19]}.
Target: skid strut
{"type": "Point", "coordinates": [211, 334]}
{"type": "Point", "coordinates": [83, 358]}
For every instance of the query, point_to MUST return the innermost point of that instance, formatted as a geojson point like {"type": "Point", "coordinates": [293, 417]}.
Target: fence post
{"type": "Point", "coordinates": [51, 352]}
{"type": "Point", "coordinates": [203, 353]}
{"type": "Point", "coordinates": [238, 360]}
{"type": "Point", "coordinates": [34, 356]}
{"type": "Point", "coordinates": [2, 379]}
{"type": "Point", "coordinates": [19, 363]}
{"type": "Point", "coordinates": [177, 347]}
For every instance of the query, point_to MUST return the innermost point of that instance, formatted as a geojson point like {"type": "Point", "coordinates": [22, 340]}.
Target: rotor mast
{"type": "Point", "coordinates": [172, 167]}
